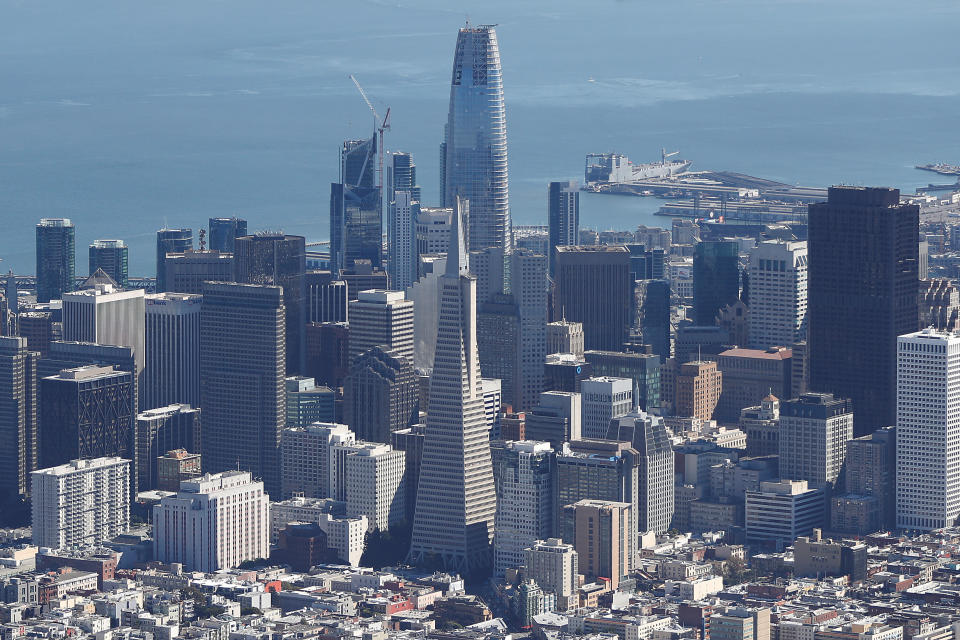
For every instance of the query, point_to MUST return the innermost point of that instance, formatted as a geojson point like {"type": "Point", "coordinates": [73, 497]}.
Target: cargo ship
{"type": "Point", "coordinates": [942, 168]}
{"type": "Point", "coordinates": [617, 168]}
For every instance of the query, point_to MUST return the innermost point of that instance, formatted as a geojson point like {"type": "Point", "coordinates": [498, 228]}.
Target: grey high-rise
{"type": "Point", "coordinates": [861, 294]}
{"type": "Point", "coordinates": [474, 150]}
{"type": "Point", "coordinates": [225, 231]}
{"type": "Point", "coordinates": [593, 287]}
{"type": "Point", "coordinates": [456, 500]}
{"type": "Point", "coordinates": [111, 256]}
{"type": "Point", "coordinates": [56, 254]}
{"type": "Point", "coordinates": [563, 214]}
{"type": "Point", "coordinates": [171, 351]}
{"type": "Point", "coordinates": [242, 354]}
{"type": "Point", "coordinates": [277, 259]}
{"type": "Point", "coordinates": [381, 395]}
{"type": "Point", "coordinates": [18, 416]}
{"type": "Point", "coordinates": [170, 241]}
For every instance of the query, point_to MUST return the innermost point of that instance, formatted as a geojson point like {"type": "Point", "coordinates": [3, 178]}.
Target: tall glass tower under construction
{"type": "Point", "coordinates": [474, 150]}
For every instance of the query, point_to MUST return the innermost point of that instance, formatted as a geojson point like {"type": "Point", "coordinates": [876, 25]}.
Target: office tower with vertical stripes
{"type": "Point", "coordinates": [474, 162]}
{"type": "Point", "coordinates": [563, 214]}
{"type": "Point", "coordinates": [171, 372]}
{"type": "Point", "coordinates": [456, 501]}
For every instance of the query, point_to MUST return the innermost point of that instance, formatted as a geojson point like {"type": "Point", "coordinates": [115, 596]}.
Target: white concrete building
{"type": "Point", "coordinates": [696, 589]}
{"type": "Point", "coordinates": [401, 245]}
{"type": "Point", "coordinates": [433, 229]}
{"type": "Point", "coordinates": [603, 398]}
{"type": "Point", "coordinates": [305, 454]}
{"type": "Point", "coordinates": [376, 484]}
{"type": "Point", "coordinates": [82, 503]}
{"type": "Point", "coordinates": [106, 316]}
{"type": "Point", "coordinates": [344, 533]}
{"type": "Point", "coordinates": [492, 403]}
{"type": "Point", "coordinates": [928, 429]}
{"type": "Point", "coordinates": [214, 522]}
{"type": "Point", "coordinates": [553, 565]}
{"type": "Point", "coordinates": [380, 317]}
{"type": "Point", "coordinates": [523, 472]}
{"type": "Point", "coordinates": [778, 293]}
{"type": "Point", "coordinates": [172, 350]}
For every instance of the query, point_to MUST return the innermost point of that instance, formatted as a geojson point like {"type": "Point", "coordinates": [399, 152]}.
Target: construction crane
{"type": "Point", "coordinates": [379, 127]}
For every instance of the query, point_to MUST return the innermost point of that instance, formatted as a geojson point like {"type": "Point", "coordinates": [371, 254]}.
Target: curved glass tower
{"type": "Point", "coordinates": [474, 151]}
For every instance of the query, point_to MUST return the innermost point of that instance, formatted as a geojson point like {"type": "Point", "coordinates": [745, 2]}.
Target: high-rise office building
{"type": "Point", "coordinates": [18, 415]}
{"type": "Point", "coordinates": [56, 256]}
{"type": "Point", "coordinates": [653, 315]}
{"type": "Point", "coordinates": [456, 500]}
{"type": "Point", "coordinates": [280, 260]}
{"type": "Point", "coordinates": [81, 503]}
{"type": "Point", "coordinates": [498, 343]}
{"type": "Point", "coordinates": [328, 352]}
{"type": "Point", "coordinates": [489, 267]}
{"type": "Point", "coordinates": [780, 511]}
{"type": "Point", "coordinates": [356, 219]}
{"type": "Point", "coordinates": [326, 297]}
{"type": "Point", "coordinates": [474, 151]}
{"type": "Point", "coordinates": [528, 284]}
{"type": "Point", "coordinates": [40, 328]}
{"type": "Point", "coordinates": [161, 430]}
{"type": "Point", "coordinates": [604, 398]}
{"type": "Point", "coordinates": [112, 257]}
{"type": "Point", "coordinates": [750, 375]}
{"type": "Point", "coordinates": [593, 287]}
{"type": "Point", "coordinates": [401, 243]}
{"type": "Point", "coordinates": [564, 336]}
{"type": "Point", "coordinates": [305, 458]}
{"type": "Point", "coordinates": [697, 389]}
{"type": "Point", "coordinates": [401, 174]}
{"type": "Point", "coordinates": [524, 474]}
{"type": "Point", "coordinates": [642, 368]}
{"type": "Point", "coordinates": [87, 412]}
{"type": "Point", "coordinates": [555, 420]}
{"type": "Point", "coordinates": [868, 501]}
{"type": "Point", "coordinates": [193, 529]}
{"type": "Point", "coordinates": [814, 431]}
{"type": "Point", "coordinates": [307, 403]}
{"type": "Point", "coordinates": [170, 241]}
{"type": "Point", "coordinates": [603, 538]}
{"type": "Point", "coordinates": [928, 428]}
{"type": "Point", "coordinates": [224, 232]}
{"type": "Point", "coordinates": [563, 214]}
{"type": "Point", "coordinates": [242, 355]}
{"type": "Point", "coordinates": [381, 395]}
{"type": "Point", "coordinates": [777, 274]}
{"type": "Point", "coordinates": [171, 350]}
{"type": "Point", "coordinates": [186, 271]}
{"type": "Point", "coordinates": [650, 438]}
{"type": "Point", "coordinates": [375, 481]}
{"type": "Point", "coordinates": [174, 467]}
{"type": "Point", "coordinates": [716, 279]}
{"type": "Point", "coordinates": [381, 318]}
{"type": "Point", "coordinates": [433, 230]}
{"type": "Point", "coordinates": [554, 565]}
{"type": "Point", "coordinates": [861, 294]}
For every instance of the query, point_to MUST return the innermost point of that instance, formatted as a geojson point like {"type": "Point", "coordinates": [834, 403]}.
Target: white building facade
{"type": "Point", "coordinates": [375, 484]}
{"type": "Point", "coordinates": [305, 454]}
{"type": "Point", "coordinates": [928, 429]}
{"type": "Point", "coordinates": [381, 318]}
{"type": "Point", "coordinates": [603, 398]}
{"type": "Point", "coordinates": [778, 293]}
{"type": "Point", "coordinates": [214, 522]}
{"type": "Point", "coordinates": [401, 247]}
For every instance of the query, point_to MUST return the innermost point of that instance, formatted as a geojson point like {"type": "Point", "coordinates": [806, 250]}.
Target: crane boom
{"type": "Point", "coordinates": [378, 127]}
{"type": "Point", "coordinates": [363, 94]}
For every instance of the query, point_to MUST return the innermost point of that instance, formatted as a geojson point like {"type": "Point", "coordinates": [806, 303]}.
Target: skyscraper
{"type": "Point", "coordinates": [563, 213]}
{"type": "Point", "coordinates": [650, 438]}
{"type": "Point", "coordinates": [112, 257]}
{"type": "Point", "coordinates": [604, 398]}
{"type": "Point", "coordinates": [381, 394]}
{"type": "Point", "coordinates": [474, 151]}
{"type": "Point", "coordinates": [401, 175]}
{"type": "Point", "coordinates": [862, 294]}
{"type": "Point", "coordinates": [401, 247]}
{"type": "Point", "coordinates": [928, 428]}
{"type": "Point", "coordinates": [778, 293]}
{"type": "Point", "coordinates": [594, 287]}
{"type": "Point", "coordinates": [498, 343]}
{"type": "Point", "coordinates": [456, 500]}
{"type": "Point", "coordinates": [185, 272]}
{"type": "Point", "coordinates": [171, 350]}
{"type": "Point", "coordinates": [278, 259]}
{"type": "Point", "coordinates": [716, 279]}
{"type": "Point", "coordinates": [814, 431]}
{"type": "Point", "coordinates": [356, 225]}
{"type": "Point", "coordinates": [381, 318]}
{"type": "Point", "coordinates": [56, 247]}
{"type": "Point", "coordinates": [326, 297]}
{"type": "Point", "coordinates": [242, 354]}
{"type": "Point", "coordinates": [161, 430]}
{"type": "Point", "coordinates": [528, 284]}
{"type": "Point", "coordinates": [225, 231]}
{"type": "Point", "coordinates": [18, 416]}
{"type": "Point", "coordinates": [170, 241]}
{"type": "Point", "coordinates": [106, 316]}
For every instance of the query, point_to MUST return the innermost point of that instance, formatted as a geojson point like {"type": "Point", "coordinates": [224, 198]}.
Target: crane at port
{"type": "Point", "coordinates": [379, 127]}
{"type": "Point", "coordinates": [663, 154]}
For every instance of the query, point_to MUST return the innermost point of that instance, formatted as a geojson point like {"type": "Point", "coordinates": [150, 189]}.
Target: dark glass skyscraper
{"type": "Point", "coordinates": [112, 257]}
{"type": "Point", "coordinates": [170, 241]}
{"type": "Point", "coordinates": [356, 219]}
{"type": "Point", "coordinates": [593, 286]}
{"type": "Point", "coordinates": [474, 162]}
{"type": "Point", "coordinates": [224, 231]}
{"type": "Point", "coordinates": [716, 279]}
{"type": "Point", "coordinates": [273, 258]}
{"type": "Point", "coordinates": [862, 284]}
{"type": "Point", "coordinates": [401, 175]}
{"type": "Point", "coordinates": [563, 212]}
{"type": "Point", "coordinates": [56, 252]}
